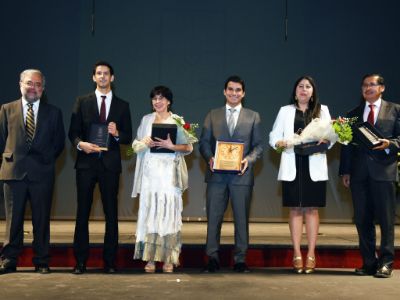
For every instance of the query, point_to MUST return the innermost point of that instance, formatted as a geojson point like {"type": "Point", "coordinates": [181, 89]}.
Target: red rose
{"type": "Point", "coordinates": [186, 126]}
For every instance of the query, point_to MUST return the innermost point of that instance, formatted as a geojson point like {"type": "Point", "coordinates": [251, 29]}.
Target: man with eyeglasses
{"type": "Point", "coordinates": [100, 108]}
{"type": "Point", "coordinates": [32, 136]}
{"type": "Point", "coordinates": [371, 176]}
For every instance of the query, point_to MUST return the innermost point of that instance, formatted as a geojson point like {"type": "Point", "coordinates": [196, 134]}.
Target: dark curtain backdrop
{"type": "Point", "coordinates": [192, 47]}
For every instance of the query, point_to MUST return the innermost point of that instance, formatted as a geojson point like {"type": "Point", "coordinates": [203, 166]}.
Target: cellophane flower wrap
{"type": "Point", "coordinates": [338, 130]}
{"type": "Point", "coordinates": [189, 129]}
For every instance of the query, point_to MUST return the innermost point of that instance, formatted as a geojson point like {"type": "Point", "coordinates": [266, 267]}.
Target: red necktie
{"type": "Point", "coordinates": [371, 115]}
{"type": "Point", "coordinates": [103, 110]}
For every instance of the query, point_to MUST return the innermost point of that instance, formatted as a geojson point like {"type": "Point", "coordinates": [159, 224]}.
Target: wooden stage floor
{"type": "Point", "coordinates": [194, 233]}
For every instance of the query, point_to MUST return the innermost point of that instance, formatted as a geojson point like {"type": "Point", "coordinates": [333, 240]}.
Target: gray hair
{"type": "Point", "coordinates": [31, 71]}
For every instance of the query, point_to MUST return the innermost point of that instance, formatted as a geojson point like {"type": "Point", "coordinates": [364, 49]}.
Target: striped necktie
{"type": "Point", "coordinates": [30, 124]}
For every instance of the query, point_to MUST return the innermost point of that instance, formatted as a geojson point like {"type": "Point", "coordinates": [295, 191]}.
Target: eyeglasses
{"type": "Point", "coordinates": [33, 84]}
{"type": "Point", "coordinates": [371, 84]}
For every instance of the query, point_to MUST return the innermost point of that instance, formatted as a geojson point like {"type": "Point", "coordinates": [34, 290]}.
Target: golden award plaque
{"type": "Point", "coordinates": [228, 156]}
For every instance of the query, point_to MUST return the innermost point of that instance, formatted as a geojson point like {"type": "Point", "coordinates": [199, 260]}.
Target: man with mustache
{"type": "Point", "coordinates": [32, 136]}
{"type": "Point", "coordinates": [371, 176]}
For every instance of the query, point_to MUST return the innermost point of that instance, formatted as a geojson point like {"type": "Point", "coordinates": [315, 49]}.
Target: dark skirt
{"type": "Point", "coordinates": [302, 191]}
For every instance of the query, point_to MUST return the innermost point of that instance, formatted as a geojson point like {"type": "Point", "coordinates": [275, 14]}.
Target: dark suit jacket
{"type": "Point", "coordinates": [360, 162]}
{"type": "Point", "coordinates": [38, 161]}
{"type": "Point", "coordinates": [247, 130]}
{"type": "Point", "coordinates": [86, 112]}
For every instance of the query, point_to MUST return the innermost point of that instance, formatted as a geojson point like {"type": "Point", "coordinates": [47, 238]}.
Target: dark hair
{"type": "Point", "coordinates": [103, 63]}
{"type": "Point", "coordinates": [235, 78]}
{"type": "Point", "coordinates": [380, 80]}
{"type": "Point", "coordinates": [314, 107]}
{"type": "Point", "coordinates": [164, 91]}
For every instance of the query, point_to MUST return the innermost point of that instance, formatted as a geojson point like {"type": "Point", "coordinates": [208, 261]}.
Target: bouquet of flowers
{"type": "Point", "coordinates": [189, 129]}
{"type": "Point", "coordinates": [338, 130]}
{"type": "Point", "coordinates": [342, 127]}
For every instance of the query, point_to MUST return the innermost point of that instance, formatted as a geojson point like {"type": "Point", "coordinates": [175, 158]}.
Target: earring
{"type": "Point", "coordinates": [311, 99]}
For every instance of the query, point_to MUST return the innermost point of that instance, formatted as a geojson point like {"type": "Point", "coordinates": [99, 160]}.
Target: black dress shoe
{"type": "Point", "coordinates": [241, 268]}
{"type": "Point", "coordinates": [386, 271]}
{"type": "Point", "coordinates": [109, 270]}
{"type": "Point", "coordinates": [212, 266]}
{"type": "Point", "coordinates": [79, 269]}
{"type": "Point", "coordinates": [4, 269]}
{"type": "Point", "coordinates": [365, 271]}
{"type": "Point", "coordinates": [42, 269]}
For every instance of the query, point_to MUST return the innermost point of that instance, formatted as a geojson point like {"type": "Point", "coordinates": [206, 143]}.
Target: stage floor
{"type": "Point", "coordinates": [194, 233]}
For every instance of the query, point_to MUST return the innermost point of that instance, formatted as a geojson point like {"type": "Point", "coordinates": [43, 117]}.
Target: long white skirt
{"type": "Point", "coordinates": [158, 232]}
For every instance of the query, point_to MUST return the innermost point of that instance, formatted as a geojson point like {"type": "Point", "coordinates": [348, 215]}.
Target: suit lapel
{"type": "Point", "coordinates": [222, 117]}
{"type": "Point", "coordinates": [113, 108]}
{"type": "Point", "coordinates": [42, 113]}
{"type": "Point", "coordinates": [20, 113]}
{"type": "Point", "coordinates": [383, 111]}
{"type": "Point", "coordinates": [94, 108]}
{"type": "Point", "coordinates": [360, 113]}
{"type": "Point", "coordinates": [241, 118]}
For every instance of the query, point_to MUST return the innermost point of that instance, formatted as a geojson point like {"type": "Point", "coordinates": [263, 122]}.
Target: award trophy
{"type": "Point", "coordinates": [228, 157]}
{"type": "Point", "coordinates": [161, 131]}
{"type": "Point", "coordinates": [99, 135]}
{"type": "Point", "coordinates": [367, 135]}
{"type": "Point", "coordinates": [310, 148]}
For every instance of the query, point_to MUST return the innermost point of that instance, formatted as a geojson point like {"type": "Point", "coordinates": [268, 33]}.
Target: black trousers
{"type": "Point", "coordinates": [86, 180]}
{"type": "Point", "coordinates": [218, 195]}
{"type": "Point", "coordinates": [374, 200]}
{"type": "Point", "coordinates": [16, 194]}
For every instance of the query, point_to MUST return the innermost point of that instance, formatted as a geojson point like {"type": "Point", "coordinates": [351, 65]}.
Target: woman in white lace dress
{"type": "Point", "coordinates": [160, 179]}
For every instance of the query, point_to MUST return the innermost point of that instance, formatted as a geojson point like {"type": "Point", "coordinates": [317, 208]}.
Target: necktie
{"type": "Point", "coordinates": [371, 115]}
{"type": "Point", "coordinates": [103, 110]}
{"type": "Point", "coordinates": [231, 121]}
{"type": "Point", "coordinates": [30, 124]}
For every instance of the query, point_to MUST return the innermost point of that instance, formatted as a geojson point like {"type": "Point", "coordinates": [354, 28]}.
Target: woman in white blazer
{"type": "Point", "coordinates": [303, 177]}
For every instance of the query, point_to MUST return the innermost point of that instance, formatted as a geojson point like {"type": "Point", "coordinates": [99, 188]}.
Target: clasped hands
{"type": "Point", "coordinates": [385, 144]}
{"type": "Point", "coordinates": [93, 148]}
{"type": "Point", "coordinates": [159, 143]}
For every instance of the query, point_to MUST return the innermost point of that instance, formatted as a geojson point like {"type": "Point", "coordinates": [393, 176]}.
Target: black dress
{"type": "Point", "coordinates": [302, 191]}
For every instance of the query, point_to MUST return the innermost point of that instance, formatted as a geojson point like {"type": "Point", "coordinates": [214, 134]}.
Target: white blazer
{"type": "Point", "coordinates": [283, 129]}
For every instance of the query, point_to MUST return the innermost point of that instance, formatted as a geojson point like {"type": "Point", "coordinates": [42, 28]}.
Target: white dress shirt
{"type": "Point", "coordinates": [100, 100]}
{"type": "Point", "coordinates": [235, 114]}
{"type": "Point", "coordinates": [377, 107]}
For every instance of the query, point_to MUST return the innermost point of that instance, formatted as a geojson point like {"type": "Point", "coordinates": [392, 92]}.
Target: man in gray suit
{"type": "Point", "coordinates": [32, 136]}
{"type": "Point", "coordinates": [371, 176]}
{"type": "Point", "coordinates": [231, 122]}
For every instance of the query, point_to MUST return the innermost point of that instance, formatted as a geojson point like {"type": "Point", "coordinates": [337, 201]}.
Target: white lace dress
{"type": "Point", "coordinates": [160, 179]}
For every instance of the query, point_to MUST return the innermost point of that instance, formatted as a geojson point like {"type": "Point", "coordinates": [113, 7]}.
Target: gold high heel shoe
{"type": "Point", "coordinates": [168, 268]}
{"type": "Point", "coordinates": [310, 265]}
{"type": "Point", "coordinates": [297, 264]}
{"type": "Point", "coordinates": [150, 267]}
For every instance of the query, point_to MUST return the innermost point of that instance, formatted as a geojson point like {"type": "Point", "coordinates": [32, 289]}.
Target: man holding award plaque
{"type": "Point", "coordinates": [369, 167]}
{"type": "Point", "coordinates": [230, 143]}
{"type": "Point", "coordinates": [100, 122]}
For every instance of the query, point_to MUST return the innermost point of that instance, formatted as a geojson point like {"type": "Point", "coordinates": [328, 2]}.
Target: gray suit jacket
{"type": "Point", "coordinates": [38, 161]}
{"type": "Point", "coordinates": [360, 162]}
{"type": "Point", "coordinates": [247, 130]}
